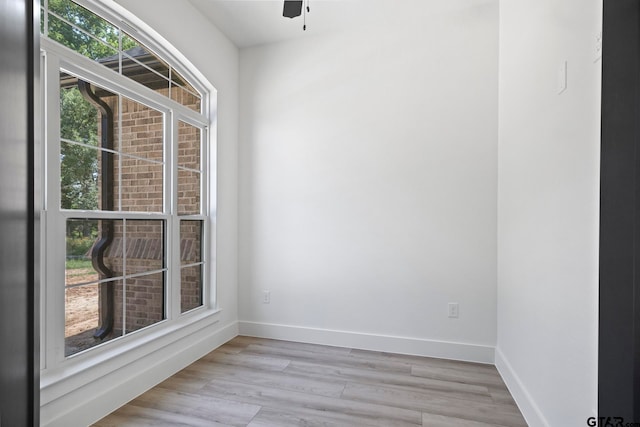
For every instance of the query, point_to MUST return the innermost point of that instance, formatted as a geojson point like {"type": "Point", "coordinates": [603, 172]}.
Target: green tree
{"type": "Point", "coordinates": [79, 164]}
{"type": "Point", "coordinates": [77, 37]}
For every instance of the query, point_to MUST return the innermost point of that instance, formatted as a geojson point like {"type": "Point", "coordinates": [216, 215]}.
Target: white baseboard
{"type": "Point", "coordinates": [392, 344]}
{"type": "Point", "coordinates": [93, 401]}
{"type": "Point", "coordinates": [530, 411]}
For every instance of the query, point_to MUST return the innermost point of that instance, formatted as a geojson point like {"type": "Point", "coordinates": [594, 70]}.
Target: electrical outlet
{"type": "Point", "coordinates": [454, 310]}
{"type": "Point", "coordinates": [266, 297]}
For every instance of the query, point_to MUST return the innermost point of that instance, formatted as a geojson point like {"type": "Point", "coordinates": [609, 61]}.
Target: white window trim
{"type": "Point", "coordinates": [61, 375]}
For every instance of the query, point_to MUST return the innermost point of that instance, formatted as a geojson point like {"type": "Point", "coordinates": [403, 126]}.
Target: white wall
{"type": "Point", "coordinates": [368, 182]}
{"type": "Point", "coordinates": [548, 203]}
{"type": "Point", "coordinates": [217, 58]}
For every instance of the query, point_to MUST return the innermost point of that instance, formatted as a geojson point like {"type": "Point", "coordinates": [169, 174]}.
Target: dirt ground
{"type": "Point", "coordinates": [81, 317]}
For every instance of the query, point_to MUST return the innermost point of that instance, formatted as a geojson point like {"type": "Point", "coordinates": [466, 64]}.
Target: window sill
{"type": "Point", "coordinates": [86, 367]}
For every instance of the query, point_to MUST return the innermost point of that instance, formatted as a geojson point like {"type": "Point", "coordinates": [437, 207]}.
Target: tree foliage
{"type": "Point", "coordinates": [105, 40]}
{"type": "Point", "coordinates": [79, 164]}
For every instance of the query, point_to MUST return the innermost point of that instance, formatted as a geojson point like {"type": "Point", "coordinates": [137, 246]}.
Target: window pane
{"type": "Point", "coordinates": [142, 136]}
{"type": "Point", "coordinates": [190, 242]}
{"type": "Point", "coordinates": [82, 317]}
{"type": "Point", "coordinates": [185, 95]}
{"type": "Point", "coordinates": [144, 246]}
{"type": "Point", "coordinates": [144, 302]}
{"type": "Point", "coordinates": [191, 276]}
{"type": "Point", "coordinates": [85, 20]}
{"type": "Point", "coordinates": [143, 66]}
{"type": "Point", "coordinates": [188, 192]}
{"type": "Point", "coordinates": [190, 287]}
{"type": "Point", "coordinates": [86, 117]}
{"type": "Point", "coordinates": [141, 185]}
{"type": "Point", "coordinates": [81, 30]}
{"type": "Point", "coordinates": [188, 146]}
{"type": "Point", "coordinates": [79, 170]}
{"type": "Point", "coordinates": [79, 118]}
{"type": "Point", "coordinates": [84, 239]}
{"type": "Point", "coordinates": [79, 269]}
{"type": "Point", "coordinates": [83, 106]}
{"type": "Point", "coordinates": [81, 178]}
{"type": "Point", "coordinates": [142, 131]}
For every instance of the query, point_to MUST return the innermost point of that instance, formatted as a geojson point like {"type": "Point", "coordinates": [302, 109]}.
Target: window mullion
{"type": "Point", "coordinates": [67, 214]}
{"type": "Point", "coordinates": [208, 297]}
{"type": "Point", "coordinates": [174, 232]}
{"type": "Point", "coordinates": [209, 157]}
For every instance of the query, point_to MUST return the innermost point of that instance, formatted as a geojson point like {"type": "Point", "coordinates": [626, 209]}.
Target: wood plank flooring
{"type": "Point", "coordinates": [258, 382]}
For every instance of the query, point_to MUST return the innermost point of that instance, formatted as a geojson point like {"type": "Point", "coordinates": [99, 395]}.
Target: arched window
{"type": "Point", "coordinates": [127, 222]}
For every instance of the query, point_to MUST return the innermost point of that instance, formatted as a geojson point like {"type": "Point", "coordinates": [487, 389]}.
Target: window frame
{"type": "Point", "coordinates": [55, 366]}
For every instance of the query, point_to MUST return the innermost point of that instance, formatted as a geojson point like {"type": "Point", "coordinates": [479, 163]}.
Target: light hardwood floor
{"type": "Point", "coordinates": [259, 382]}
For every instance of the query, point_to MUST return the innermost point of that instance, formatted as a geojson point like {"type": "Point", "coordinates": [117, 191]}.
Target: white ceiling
{"type": "Point", "coordinates": [255, 22]}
